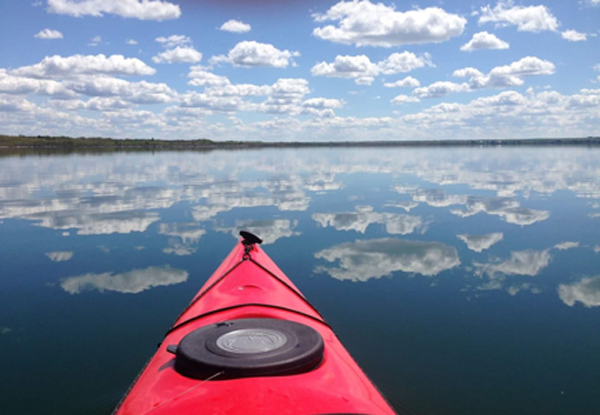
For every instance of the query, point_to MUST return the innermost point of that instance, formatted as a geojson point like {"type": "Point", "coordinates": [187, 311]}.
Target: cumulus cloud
{"type": "Point", "coordinates": [173, 41]}
{"type": "Point", "coordinates": [484, 40]}
{"type": "Point", "coordinates": [526, 18]}
{"type": "Point", "coordinates": [179, 55]}
{"type": "Point", "coordinates": [284, 96]}
{"type": "Point", "coordinates": [18, 85]}
{"type": "Point", "coordinates": [201, 76]}
{"type": "Point", "coordinates": [251, 53]}
{"type": "Point", "coordinates": [440, 89]}
{"type": "Point", "coordinates": [403, 99]}
{"type": "Point", "coordinates": [408, 82]}
{"type": "Point", "coordinates": [137, 9]}
{"type": "Point", "coordinates": [479, 243]}
{"type": "Point", "coordinates": [60, 256]}
{"type": "Point", "coordinates": [131, 42]}
{"type": "Point", "coordinates": [131, 282]}
{"type": "Point", "coordinates": [322, 103]}
{"type": "Point", "coordinates": [573, 36]}
{"type": "Point", "coordinates": [49, 34]}
{"type": "Point", "coordinates": [235, 26]}
{"type": "Point", "coordinates": [375, 258]}
{"type": "Point", "coordinates": [363, 71]}
{"type": "Point", "coordinates": [586, 291]}
{"type": "Point", "coordinates": [136, 92]}
{"type": "Point", "coordinates": [363, 23]}
{"type": "Point", "coordinates": [507, 75]}
{"type": "Point", "coordinates": [15, 104]}
{"type": "Point", "coordinates": [57, 65]}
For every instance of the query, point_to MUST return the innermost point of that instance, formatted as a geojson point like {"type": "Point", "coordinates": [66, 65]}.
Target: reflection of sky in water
{"type": "Point", "coordinates": [449, 240]}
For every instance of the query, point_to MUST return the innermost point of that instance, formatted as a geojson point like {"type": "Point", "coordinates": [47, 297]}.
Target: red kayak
{"type": "Point", "coordinates": [250, 342]}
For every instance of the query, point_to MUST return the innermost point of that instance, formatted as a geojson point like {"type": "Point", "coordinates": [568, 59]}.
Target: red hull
{"type": "Point", "coordinates": [254, 288]}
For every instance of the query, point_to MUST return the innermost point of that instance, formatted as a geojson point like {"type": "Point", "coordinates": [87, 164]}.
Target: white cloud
{"type": "Point", "coordinates": [363, 71]}
{"type": "Point", "coordinates": [85, 65]}
{"type": "Point", "coordinates": [527, 66]}
{"type": "Point", "coordinates": [60, 256]}
{"type": "Point", "coordinates": [131, 282]}
{"type": "Point", "coordinates": [408, 82]}
{"type": "Point", "coordinates": [138, 9]}
{"type": "Point", "coordinates": [365, 259]}
{"type": "Point", "coordinates": [468, 72]}
{"type": "Point", "coordinates": [563, 246]}
{"type": "Point", "coordinates": [507, 75]}
{"type": "Point", "coordinates": [95, 41]}
{"type": "Point", "coordinates": [251, 53]}
{"type": "Point", "coordinates": [484, 40]}
{"type": "Point", "coordinates": [526, 18]}
{"type": "Point", "coordinates": [586, 291]}
{"type": "Point", "coordinates": [179, 55]}
{"type": "Point", "coordinates": [360, 68]}
{"type": "Point", "coordinates": [131, 42]}
{"type": "Point", "coordinates": [15, 104]}
{"type": "Point", "coordinates": [403, 99]}
{"type": "Point", "coordinates": [322, 103]}
{"type": "Point", "coordinates": [235, 26]}
{"type": "Point", "coordinates": [573, 36]}
{"type": "Point", "coordinates": [18, 85]}
{"type": "Point", "coordinates": [201, 77]}
{"type": "Point", "coordinates": [440, 89]}
{"type": "Point", "coordinates": [479, 243]}
{"type": "Point", "coordinates": [173, 40]}
{"type": "Point", "coordinates": [137, 92]}
{"type": "Point", "coordinates": [363, 23]}
{"type": "Point", "coordinates": [284, 96]}
{"type": "Point", "coordinates": [49, 34]}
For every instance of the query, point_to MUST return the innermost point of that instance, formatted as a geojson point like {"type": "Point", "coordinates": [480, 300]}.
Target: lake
{"type": "Point", "coordinates": [462, 280]}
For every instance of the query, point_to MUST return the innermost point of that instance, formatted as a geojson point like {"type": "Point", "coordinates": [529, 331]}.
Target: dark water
{"type": "Point", "coordinates": [464, 281]}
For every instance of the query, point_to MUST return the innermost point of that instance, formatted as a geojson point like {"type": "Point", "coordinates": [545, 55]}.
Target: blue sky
{"type": "Point", "coordinates": [300, 70]}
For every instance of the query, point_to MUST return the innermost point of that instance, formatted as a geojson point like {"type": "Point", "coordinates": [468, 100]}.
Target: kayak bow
{"type": "Point", "coordinates": [250, 342]}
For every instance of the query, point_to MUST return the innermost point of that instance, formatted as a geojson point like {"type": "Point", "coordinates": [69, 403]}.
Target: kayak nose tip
{"type": "Point", "coordinates": [249, 238]}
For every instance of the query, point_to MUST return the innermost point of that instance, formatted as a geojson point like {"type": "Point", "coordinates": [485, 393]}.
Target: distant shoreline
{"type": "Point", "coordinates": [96, 143]}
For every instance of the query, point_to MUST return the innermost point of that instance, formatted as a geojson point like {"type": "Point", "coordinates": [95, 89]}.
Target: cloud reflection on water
{"type": "Point", "coordinates": [131, 282]}
{"type": "Point", "coordinates": [359, 221]}
{"type": "Point", "coordinates": [479, 243]}
{"type": "Point", "coordinates": [60, 256]}
{"type": "Point", "coordinates": [374, 258]}
{"type": "Point", "coordinates": [528, 262]}
{"type": "Point", "coordinates": [585, 291]}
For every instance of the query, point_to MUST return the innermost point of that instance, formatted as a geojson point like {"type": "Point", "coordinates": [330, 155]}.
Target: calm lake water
{"type": "Point", "coordinates": [463, 281]}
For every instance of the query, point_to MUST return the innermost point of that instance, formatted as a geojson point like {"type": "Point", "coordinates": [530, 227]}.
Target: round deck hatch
{"type": "Point", "coordinates": [249, 347]}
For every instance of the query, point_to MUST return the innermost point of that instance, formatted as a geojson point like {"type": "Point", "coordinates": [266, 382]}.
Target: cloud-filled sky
{"type": "Point", "coordinates": [300, 70]}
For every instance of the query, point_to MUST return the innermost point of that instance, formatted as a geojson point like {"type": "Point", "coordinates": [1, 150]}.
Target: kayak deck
{"type": "Point", "coordinates": [248, 285]}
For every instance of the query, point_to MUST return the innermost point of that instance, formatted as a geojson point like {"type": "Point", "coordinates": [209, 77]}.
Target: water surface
{"type": "Point", "coordinates": [463, 281]}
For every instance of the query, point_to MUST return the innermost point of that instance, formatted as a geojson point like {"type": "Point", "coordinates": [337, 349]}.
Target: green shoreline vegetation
{"type": "Point", "coordinates": [99, 143]}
